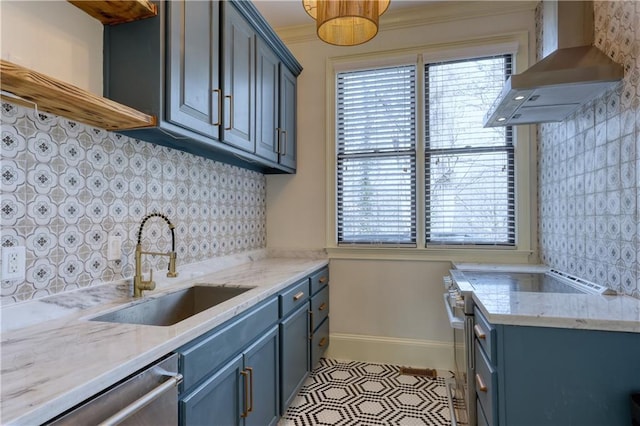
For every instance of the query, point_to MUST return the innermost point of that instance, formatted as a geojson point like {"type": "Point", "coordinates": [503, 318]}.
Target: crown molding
{"type": "Point", "coordinates": [433, 13]}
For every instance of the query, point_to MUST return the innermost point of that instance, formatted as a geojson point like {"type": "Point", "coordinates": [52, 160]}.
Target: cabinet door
{"type": "Point", "coordinates": [194, 96]}
{"type": "Point", "coordinates": [267, 93]}
{"type": "Point", "coordinates": [218, 400]}
{"type": "Point", "coordinates": [238, 45]}
{"type": "Point", "coordinates": [287, 149]}
{"type": "Point", "coordinates": [294, 354]}
{"type": "Point", "coordinates": [261, 360]}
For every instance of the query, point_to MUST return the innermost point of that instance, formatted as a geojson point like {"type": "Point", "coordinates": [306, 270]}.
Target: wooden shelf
{"type": "Point", "coordinates": [111, 12]}
{"type": "Point", "coordinates": [57, 97]}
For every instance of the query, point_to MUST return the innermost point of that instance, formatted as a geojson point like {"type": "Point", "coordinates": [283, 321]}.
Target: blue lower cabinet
{"type": "Point", "coordinates": [248, 370]}
{"type": "Point", "coordinates": [217, 401]}
{"type": "Point", "coordinates": [243, 392]}
{"type": "Point", "coordinates": [261, 362]}
{"type": "Point", "coordinates": [319, 342]}
{"type": "Point", "coordinates": [294, 345]}
{"type": "Point", "coordinates": [543, 376]}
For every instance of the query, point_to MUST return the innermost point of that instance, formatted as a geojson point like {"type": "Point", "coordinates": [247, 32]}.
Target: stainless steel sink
{"type": "Point", "coordinates": [173, 307]}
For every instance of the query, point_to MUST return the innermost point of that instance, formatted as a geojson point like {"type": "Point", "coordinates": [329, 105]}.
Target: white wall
{"type": "Point", "coordinates": [55, 38]}
{"type": "Point", "coordinates": [387, 311]}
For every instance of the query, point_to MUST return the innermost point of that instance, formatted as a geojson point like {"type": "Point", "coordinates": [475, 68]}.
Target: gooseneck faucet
{"type": "Point", "coordinates": [139, 284]}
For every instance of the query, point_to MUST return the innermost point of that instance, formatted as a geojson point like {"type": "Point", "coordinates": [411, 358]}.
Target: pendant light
{"type": "Point", "coordinates": [346, 22]}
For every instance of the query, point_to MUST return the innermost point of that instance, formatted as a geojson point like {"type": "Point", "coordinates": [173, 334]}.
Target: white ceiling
{"type": "Point", "coordinates": [285, 13]}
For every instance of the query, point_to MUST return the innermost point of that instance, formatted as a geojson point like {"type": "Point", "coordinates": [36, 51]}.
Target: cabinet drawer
{"type": "Point", "coordinates": [319, 280]}
{"type": "Point", "coordinates": [486, 381]}
{"type": "Point", "coordinates": [319, 307]}
{"type": "Point", "coordinates": [293, 297]}
{"type": "Point", "coordinates": [485, 334]}
{"type": "Point", "coordinates": [204, 356]}
{"type": "Point", "coordinates": [319, 343]}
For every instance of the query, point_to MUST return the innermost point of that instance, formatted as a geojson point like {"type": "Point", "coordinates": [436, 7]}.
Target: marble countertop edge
{"type": "Point", "coordinates": [587, 312]}
{"type": "Point", "coordinates": [41, 402]}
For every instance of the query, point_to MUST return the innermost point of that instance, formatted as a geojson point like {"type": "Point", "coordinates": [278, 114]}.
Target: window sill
{"type": "Point", "coordinates": [476, 255]}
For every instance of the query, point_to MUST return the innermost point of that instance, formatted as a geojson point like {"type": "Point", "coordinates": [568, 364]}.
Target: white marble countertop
{"type": "Point", "coordinates": [561, 310]}
{"type": "Point", "coordinates": [59, 359]}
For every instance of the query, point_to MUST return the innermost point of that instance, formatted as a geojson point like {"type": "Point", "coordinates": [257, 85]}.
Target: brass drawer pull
{"type": "Point", "coordinates": [284, 144]}
{"type": "Point", "coordinates": [230, 97]}
{"type": "Point", "coordinates": [322, 342]}
{"type": "Point", "coordinates": [245, 375]}
{"type": "Point", "coordinates": [322, 307]}
{"type": "Point", "coordinates": [323, 279]}
{"type": "Point", "coordinates": [298, 296]}
{"type": "Point", "coordinates": [481, 384]}
{"type": "Point", "coordinates": [479, 332]}
{"type": "Point", "coordinates": [278, 140]}
{"type": "Point", "coordinates": [219, 93]}
{"type": "Point", "coordinates": [250, 370]}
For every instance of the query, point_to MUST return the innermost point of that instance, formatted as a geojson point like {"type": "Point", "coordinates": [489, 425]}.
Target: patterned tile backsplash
{"type": "Point", "coordinates": [589, 168]}
{"type": "Point", "coordinates": [67, 187]}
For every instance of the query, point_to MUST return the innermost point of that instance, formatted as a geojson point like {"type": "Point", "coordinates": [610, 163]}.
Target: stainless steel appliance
{"type": "Point", "coordinates": [459, 304]}
{"type": "Point", "coordinates": [149, 397]}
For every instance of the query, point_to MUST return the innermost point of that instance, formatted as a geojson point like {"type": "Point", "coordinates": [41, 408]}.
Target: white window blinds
{"type": "Point", "coordinates": [376, 156]}
{"type": "Point", "coordinates": [470, 191]}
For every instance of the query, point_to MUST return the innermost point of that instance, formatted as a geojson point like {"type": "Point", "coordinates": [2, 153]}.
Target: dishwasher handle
{"type": "Point", "coordinates": [454, 321]}
{"type": "Point", "coordinates": [139, 403]}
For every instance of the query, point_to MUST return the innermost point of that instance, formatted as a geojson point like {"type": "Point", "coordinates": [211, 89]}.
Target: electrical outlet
{"type": "Point", "coordinates": [114, 247]}
{"type": "Point", "coordinates": [13, 263]}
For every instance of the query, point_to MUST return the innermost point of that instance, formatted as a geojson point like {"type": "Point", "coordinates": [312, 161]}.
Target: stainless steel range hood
{"type": "Point", "coordinates": [572, 72]}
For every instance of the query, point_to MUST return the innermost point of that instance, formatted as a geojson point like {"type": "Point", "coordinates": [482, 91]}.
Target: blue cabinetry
{"type": "Point", "coordinates": [304, 331]}
{"type": "Point", "coordinates": [537, 376]}
{"type": "Point", "coordinates": [193, 66]}
{"type": "Point", "coordinates": [248, 370]}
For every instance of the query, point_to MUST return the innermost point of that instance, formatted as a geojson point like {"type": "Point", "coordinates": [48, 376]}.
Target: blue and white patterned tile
{"type": "Point", "coordinates": [42, 147]}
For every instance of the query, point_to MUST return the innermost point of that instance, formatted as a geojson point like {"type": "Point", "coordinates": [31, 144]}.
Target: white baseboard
{"type": "Point", "coordinates": [387, 350]}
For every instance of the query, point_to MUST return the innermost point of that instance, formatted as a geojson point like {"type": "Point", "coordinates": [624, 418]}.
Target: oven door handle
{"type": "Point", "coordinates": [454, 321]}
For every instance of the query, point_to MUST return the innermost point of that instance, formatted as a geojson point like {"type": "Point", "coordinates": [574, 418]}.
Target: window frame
{"type": "Point", "coordinates": [524, 155]}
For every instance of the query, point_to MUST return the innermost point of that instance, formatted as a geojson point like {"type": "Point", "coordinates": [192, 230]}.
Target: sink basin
{"type": "Point", "coordinates": [173, 307]}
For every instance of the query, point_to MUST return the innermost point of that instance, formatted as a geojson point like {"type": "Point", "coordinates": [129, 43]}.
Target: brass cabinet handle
{"type": "Point", "coordinates": [323, 279]}
{"type": "Point", "coordinates": [481, 384]}
{"type": "Point", "coordinates": [230, 97]}
{"type": "Point", "coordinates": [219, 92]}
{"type": "Point", "coordinates": [479, 332]}
{"type": "Point", "coordinates": [245, 375]}
{"type": "Point", "coordinates": [250, 370]}
{"type": "Point", "coordinates": [298, 296]}
{"type": "Point", "coordinates": [284, 144]}
{"type": "Point", "coordinates": [322, 307]}
{"type": "Point", "coordinates": [322, 342]}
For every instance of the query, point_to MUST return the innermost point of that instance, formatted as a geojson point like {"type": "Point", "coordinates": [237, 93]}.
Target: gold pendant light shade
{"type": "Point", "coordinates": [346, 22]}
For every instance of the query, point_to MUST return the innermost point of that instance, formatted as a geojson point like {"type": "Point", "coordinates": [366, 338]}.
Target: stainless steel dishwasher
{"type": "Point", "coordinates": [148, 397]}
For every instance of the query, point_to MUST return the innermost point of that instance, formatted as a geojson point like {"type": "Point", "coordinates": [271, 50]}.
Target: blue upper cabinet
{"type": "Point", "coordinates": [239, 50]}
{"type": "Point", "coordinates": [275, 108]}
{"type": "Point", "coordinates": [194, 97]}
{"type": "Point", "coordinates": [195, 66]}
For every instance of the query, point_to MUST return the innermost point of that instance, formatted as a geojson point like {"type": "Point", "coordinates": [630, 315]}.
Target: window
{"type": "Point", "coordinates": [376, 164]}
{"type": "Point", "coordinates": [469, 170]}
{"type": "Point", "coordinates": [468, 188]}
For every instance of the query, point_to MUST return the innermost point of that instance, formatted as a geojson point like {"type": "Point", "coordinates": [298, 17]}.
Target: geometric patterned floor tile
{"type": "Point", "coordinates": [352, 393]}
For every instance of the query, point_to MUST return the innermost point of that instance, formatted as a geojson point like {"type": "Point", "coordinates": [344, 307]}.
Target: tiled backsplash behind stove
{"type": "Point", "coordinates": [66, 187]}
{"type": "Point", "coordinates": [589, 168]}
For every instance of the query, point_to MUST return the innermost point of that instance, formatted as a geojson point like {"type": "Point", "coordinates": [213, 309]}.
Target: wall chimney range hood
{"type": "Point", "coordinates": [572, 72]}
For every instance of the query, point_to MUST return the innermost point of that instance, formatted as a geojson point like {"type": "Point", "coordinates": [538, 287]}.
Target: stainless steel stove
{"type": "Point", "coordinates": [460, 285]}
